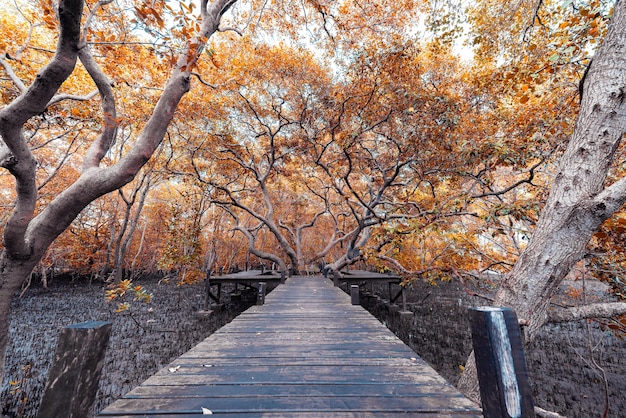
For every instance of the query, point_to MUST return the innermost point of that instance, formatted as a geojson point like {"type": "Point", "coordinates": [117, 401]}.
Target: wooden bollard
{"type": "Point", "coordinates": [260, 297]}
{"type": "Point", "coordinates": [75, 373]}
{"type": "Point", "coordinates": [282, 277]}
{"type": "Point", "coordinates": [354, 294]}
{"type": "Point", "coordinates": [336, 277]}
{"type": "Point", "coordinates": [500, 363]}
{"type": "Point", "coordinates": [207, 291]}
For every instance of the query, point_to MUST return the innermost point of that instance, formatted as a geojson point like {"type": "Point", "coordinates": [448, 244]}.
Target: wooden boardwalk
{"type": "Point", "coordinates": [306, 353]}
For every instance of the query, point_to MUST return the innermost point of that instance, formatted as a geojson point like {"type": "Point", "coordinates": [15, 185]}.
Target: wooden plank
{"type": "Point", "coordinates": [306, 352]}
{"type": "Point", "coordinates": [278, 378]}
{"type": "Point", "coordinates": [274, 389]}
{"type": "Point", "coordinates": [290, 404]}
{"type": "Point", "coordinates": [335, 414]}
{"type": "Point", "coordinates": [208, 361]}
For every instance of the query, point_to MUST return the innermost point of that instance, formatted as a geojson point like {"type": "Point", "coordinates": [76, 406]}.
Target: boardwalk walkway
{"type": "Point", "coordinates": [306, 353]}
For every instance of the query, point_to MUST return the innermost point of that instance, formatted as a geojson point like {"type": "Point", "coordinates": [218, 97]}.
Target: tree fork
{"type": "Point", "coordinates": [578, 202]}
{"type": "Point", "coordinates": [31, 236]}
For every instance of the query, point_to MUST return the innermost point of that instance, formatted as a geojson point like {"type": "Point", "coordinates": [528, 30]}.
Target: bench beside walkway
{"type": "Point", "coordinates": [307, 352]}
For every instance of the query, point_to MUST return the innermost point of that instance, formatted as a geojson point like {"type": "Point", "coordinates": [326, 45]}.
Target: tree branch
{"type": "Point", "coordinates": [547, 414]}
{"type": "Point", "coordinates": [529, 180]}
{"type": "Point", "coordinates": [213, 86]}
{"type": "Point", "coordinates": [94, 10]}
{"type": "Point", "coordinates": [594, 310]}
{"type": "Point", "coordinates": [102, 144]}
{"type": "Point", "coordinates": [13, 116]}
{"type": "Point", "coordinates": [613, 197]}
{"type": "Point", "coordinates": [230, 29]}
{"type": "Point", "coordinates": [60, 97]}
{"type": "Point", "coordinates": [9, 70]}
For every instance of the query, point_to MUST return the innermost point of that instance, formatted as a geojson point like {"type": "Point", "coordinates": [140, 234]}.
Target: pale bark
{"type": "Point", "coordinates": [264, 255]}
{"type": "Point", "coordinates": [296, 233]}
{"type": "Point", "coordinates": [26, 237]}
{"type": "Point", "coordinates": [358, 240]}
{"type": "Point", "coordinates": [540, 412]}
{"type": "Point", "coordinates": [129, 224]}
{"type": "Point", "coordinates": [578, 202]}
{"type": "Point", "coordinates": [266, 219]}
{"type": "Point", "coordinates": [591, 311]}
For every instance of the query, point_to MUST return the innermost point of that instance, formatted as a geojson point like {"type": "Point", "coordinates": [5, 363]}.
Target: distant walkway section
{"type": "Point", "coordinates": [307, 352]}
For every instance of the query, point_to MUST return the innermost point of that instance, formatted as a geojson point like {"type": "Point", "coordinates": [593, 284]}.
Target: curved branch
{"type": "Point", "coordinates": [102, 144]}
{"type": "Point", "coordinates": [199, 77]}
{"type": "Point", "coordinates": [529, 180]}
{"type": "Point", "coordinates": [230, 29]}
{"type": "Point", "coordinates": [252, 239]}
{"type": "Point", "coordinates": [21, 162]}
{"type": "Point", "coordinates": [60, 97]}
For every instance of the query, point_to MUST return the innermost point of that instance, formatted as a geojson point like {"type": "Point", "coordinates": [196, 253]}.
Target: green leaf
{"type": "Point", "coordinates": [569, 50]}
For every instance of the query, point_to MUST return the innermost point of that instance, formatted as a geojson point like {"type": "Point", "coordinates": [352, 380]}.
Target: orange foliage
{"type": "Point", "coordinates": [326, 114]}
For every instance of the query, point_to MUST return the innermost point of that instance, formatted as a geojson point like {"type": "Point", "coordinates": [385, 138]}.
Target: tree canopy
{"type": "Point", "coordinates": [176, 137]}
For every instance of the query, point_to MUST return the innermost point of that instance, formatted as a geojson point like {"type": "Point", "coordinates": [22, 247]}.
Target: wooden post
{"type": "Point", "coordinates": [260, 297]}
{"type": "Point", "coordinates": [403, 298]}
{"type": "Point", "coordinates": [354, 294]}
{"type": "Point", "coordinates": [405, 314]}
{"type": "Point", "coordinates": [207, 296]}
{"type": "Point", "coordinates": [75, 373]}
{"type": "Point", "coordinates": [282, 277]}
{"type": "Point", "coordinates": [500, 363]}
{"type": "Point", "coordinates": [336, 277]}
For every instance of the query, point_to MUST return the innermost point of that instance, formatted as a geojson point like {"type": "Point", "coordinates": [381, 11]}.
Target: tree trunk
{"type": "Point", "coordinates": [129, 225]}
{"type": "Point", "coordinates": [12, 275]}
{"type": "Point", "coordinates": [578, 202]}
{"type": "Point", "coordinates": [26, 236]}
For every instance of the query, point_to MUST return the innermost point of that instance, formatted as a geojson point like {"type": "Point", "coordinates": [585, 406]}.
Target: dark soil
{"type": "Point", "coordinates": [562, 376]}
{"type": "Point", "coordinates": [143, 339]}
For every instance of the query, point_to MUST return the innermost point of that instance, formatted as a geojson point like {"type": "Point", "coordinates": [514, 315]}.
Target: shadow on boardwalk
{"type": "Point", "coordinates": [306, 351]}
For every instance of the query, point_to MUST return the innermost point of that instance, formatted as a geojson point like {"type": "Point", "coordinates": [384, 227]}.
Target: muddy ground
{"type": "Point", "coordinates": [561, 371]}
{"type": "Point", "coordinates": [143, 339]}
{"type": "Point", "coordinates": [562, 376]}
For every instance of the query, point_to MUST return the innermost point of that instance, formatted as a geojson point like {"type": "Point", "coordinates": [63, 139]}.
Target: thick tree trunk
{"type": "Point", "coordinates": [579, 202]}
{"type": "Point", "coordinates": [27, 237]}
